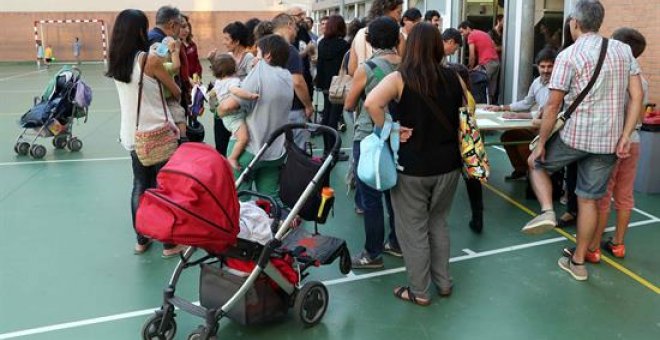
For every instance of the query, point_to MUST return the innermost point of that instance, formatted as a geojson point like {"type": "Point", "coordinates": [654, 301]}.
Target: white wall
{"type": "Point", "coordinates": [118, 5]}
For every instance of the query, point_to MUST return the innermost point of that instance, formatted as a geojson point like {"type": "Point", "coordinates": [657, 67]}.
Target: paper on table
{"type": "Point", "coordinates": [482, 111]}
{"type": "Point", "coordinates": [514, 119]}
{"type": "Point", "coordinates": [484, 123]}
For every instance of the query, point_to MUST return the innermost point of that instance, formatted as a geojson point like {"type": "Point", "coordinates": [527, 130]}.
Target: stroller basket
{"type": "Point", "coordinates": [262, 303]}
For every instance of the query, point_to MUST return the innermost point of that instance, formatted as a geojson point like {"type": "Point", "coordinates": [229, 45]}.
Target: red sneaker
{"type": "Point", "coordinates": [617, 250]}
{"type": "Point", "coordinates": [590, 256]}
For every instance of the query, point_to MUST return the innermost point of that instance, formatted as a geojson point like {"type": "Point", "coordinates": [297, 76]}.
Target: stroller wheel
{"type": "Point", "coordinates": [311, 302]}
{"type": "Point", "coordinates": [151, 326]}
{"type": "Point", "coordinates": [201, 334]}
{"type": "Point", "coordinates": [37, 151]}
{"type": "Point", "coordinates": [59, 142]}
{"type": "Point", "coordinates": [74, 144]}
{"type": "Point", "coordinates": [22, 148]}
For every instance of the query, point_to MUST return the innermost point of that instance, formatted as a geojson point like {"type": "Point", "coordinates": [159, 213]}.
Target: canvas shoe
{"type": "Point", "coordinates": [541, 223]}
{"type": "Point", "coordinates": [389, 249]}
{"type": "Point", "coordinates": [577, 271]}
{"type": "Point", "coordinates": [590, 256]}
{"type": "Point", "coordinates": [364, 261]}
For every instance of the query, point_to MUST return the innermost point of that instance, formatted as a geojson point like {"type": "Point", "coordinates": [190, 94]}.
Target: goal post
{"type": "Point", "coordinates": [39, 35]}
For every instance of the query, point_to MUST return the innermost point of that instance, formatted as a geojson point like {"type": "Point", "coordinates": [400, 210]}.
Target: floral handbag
{"type": "Point", "coordinates": [157, 145]}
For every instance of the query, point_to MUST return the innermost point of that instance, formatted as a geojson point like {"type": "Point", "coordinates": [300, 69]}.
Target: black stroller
{"type": "Point", "coordinates": [66, 98]}
{"type": "Point", "coordinates": [249, 282]}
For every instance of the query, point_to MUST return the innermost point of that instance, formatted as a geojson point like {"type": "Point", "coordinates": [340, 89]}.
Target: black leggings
{"type": "Point", "coordinates": [331, 114]}
{"type": "Point", "coordinates": [476, 196]}
{"type": "Point", "coordinates": [221, 136]}
{"type": "Point", "coordinates": [144, 177]}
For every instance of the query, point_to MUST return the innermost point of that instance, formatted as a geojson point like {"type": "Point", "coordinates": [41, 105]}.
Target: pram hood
{"type": "Point", "coordinates": [195, 202]}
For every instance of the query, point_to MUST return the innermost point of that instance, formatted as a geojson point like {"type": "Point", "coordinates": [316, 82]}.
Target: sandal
{"type": "Point", "coordinates": [566, 220]}
{"type": "Point", "coordinates": [174, 252]}
{"type": "Point", "coordinates": [142, 248]}
{"type": "Point", "coordinates": [410, 297]}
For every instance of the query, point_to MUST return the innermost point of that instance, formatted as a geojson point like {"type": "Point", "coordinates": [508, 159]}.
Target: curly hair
{"type": "Point", "coordinates": [381, 7]}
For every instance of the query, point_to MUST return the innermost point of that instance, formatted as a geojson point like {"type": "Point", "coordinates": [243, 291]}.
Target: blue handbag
{"type": "Point", "coordinates": [377, 166]}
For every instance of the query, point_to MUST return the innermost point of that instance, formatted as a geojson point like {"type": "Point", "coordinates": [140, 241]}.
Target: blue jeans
{"type": "Point", "coordinates": [371, 201]}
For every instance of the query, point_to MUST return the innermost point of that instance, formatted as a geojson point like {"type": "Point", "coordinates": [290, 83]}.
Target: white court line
{"type": "Point", "coordinates": [347, 279]}
{"type": "Point", "coordinates": [469, 252]}
{"type": "Point", "coordinates": [21, 75]}
{"type": "Point", "coordinates": [498, 148]}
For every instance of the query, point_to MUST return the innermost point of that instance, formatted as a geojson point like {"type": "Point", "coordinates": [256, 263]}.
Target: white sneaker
{"type": "Point", "coordinates": [541, 223]}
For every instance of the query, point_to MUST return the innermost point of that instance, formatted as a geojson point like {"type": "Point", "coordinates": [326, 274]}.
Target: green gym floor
{"type": "Point", "coordinates": [68, 269]}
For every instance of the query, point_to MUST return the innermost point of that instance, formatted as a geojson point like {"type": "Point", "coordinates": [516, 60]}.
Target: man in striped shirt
{"type": "Point", "coordinates": [597, 132]}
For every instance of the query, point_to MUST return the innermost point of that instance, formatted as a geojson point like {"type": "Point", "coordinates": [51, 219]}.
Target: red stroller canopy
{"type": "Point", "coordinates": [195, 202]}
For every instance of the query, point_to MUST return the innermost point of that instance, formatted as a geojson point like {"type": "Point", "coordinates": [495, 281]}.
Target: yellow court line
{"type": "Point", "coordinates": [606, 259]}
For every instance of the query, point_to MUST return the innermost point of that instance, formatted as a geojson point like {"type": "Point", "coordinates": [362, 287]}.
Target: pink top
{"type": "Point", "coordinates": [484, 46]}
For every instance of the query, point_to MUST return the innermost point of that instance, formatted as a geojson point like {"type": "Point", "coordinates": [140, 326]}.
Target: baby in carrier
{"type": "Point", "coordinates": [169, 49]}
{"type": "Point", "coordinates": [226, 83]}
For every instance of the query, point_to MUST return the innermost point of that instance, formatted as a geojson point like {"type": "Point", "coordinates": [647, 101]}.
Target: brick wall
{"type": "Point", "coordinates": [18, 33]}
{"type": "Point", "coordinates": [643, 15]}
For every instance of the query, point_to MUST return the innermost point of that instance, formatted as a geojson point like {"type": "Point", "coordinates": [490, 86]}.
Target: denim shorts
{"type": "Point", "coordinates": [593, 169]}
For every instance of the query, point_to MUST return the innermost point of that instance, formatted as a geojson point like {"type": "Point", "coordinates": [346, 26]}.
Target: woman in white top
{"type": "Point", "coordinates": [127, 53]}
{"type": "Point", "coordinates": [361, 50]}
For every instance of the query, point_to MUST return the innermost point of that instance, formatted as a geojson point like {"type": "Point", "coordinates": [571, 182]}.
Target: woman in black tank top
{"type": "Point", "coordinates": [429, 155]}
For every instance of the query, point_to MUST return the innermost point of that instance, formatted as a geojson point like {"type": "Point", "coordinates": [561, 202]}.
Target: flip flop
{"type": "Point", "coordinates": [179, 249]}
{"type": "Point", "coordinates": [398, 292]}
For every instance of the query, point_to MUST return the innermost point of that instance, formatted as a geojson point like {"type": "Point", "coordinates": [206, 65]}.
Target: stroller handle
{"type": "Point", "coordinates": [308, 126]}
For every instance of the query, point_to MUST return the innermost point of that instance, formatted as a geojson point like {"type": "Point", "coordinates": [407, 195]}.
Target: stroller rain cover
{"type": "Point", "coordinates": [195, 203]}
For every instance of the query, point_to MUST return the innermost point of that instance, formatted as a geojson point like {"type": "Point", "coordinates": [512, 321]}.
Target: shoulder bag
{"type": "Point", "coordinates": [157, 145]}
{"type": "Point", "coordinates": [562, 117]}
{"type": "Point", "coordinates": [470, 144]}
{"type": "Point", "coordinates": [377, 166]}
{"type": "Point", "coordinates": [340, 84]}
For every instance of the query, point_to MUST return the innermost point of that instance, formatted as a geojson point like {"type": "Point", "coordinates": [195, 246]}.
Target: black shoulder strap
{"type": "Point", "coordinates": [139, 103]}
{"type": "Point", "coordinates": [592, 81]}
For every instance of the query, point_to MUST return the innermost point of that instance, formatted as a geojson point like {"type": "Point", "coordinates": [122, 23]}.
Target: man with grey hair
{"type": "Point", "coordinates": [597, 132]}
{"type": "Point", "coordinates": [168, 24]}
{"type": "Point", "coordinates": [285, 26]}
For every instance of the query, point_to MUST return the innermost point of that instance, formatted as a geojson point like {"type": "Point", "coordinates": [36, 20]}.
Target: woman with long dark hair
{"type": "Point", "coordinates": [429, 95]}
{"type": "Point", "coordinates": [331, 53]}
{"type": "Point", "coordinates": [127, 56]}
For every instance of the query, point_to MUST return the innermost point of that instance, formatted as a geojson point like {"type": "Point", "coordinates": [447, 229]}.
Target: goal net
{"type": "Point", "coordinates": [60, 36]}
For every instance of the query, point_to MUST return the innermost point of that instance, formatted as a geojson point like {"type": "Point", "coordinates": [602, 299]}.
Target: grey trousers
{"type": "Point", "coordinates": [421, 206]}
{"type": "Point", "coordinates": [300, 136]}
{"type": "Point", "coordinates": [492, 69]}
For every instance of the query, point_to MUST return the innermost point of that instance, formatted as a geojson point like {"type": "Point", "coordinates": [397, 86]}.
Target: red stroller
{"type": "Point", "coordinates": [196, 204]}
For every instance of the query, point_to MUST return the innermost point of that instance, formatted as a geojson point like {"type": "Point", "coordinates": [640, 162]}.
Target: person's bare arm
{"type": "Point", "coordinates": [300, 88]}
{"type": "Point", "coordinates": [401, 47]}
{"type": "Point", "coordinates": [387, 90]}
{"type": "Point", "coordinates": [353, 96]}
{"type": "Point", "coordinates": [472, 58]}
{"type": "Point", "coordinates": [352, 61]}
{"type": "Point", "coordinates": [175, 48]}
{"type": "Point", "coordinates": [156, 70]}
{"type": "Point", "coordinates": [635, 110]}
{"type": "Point", "coordinates": [242, 93]}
